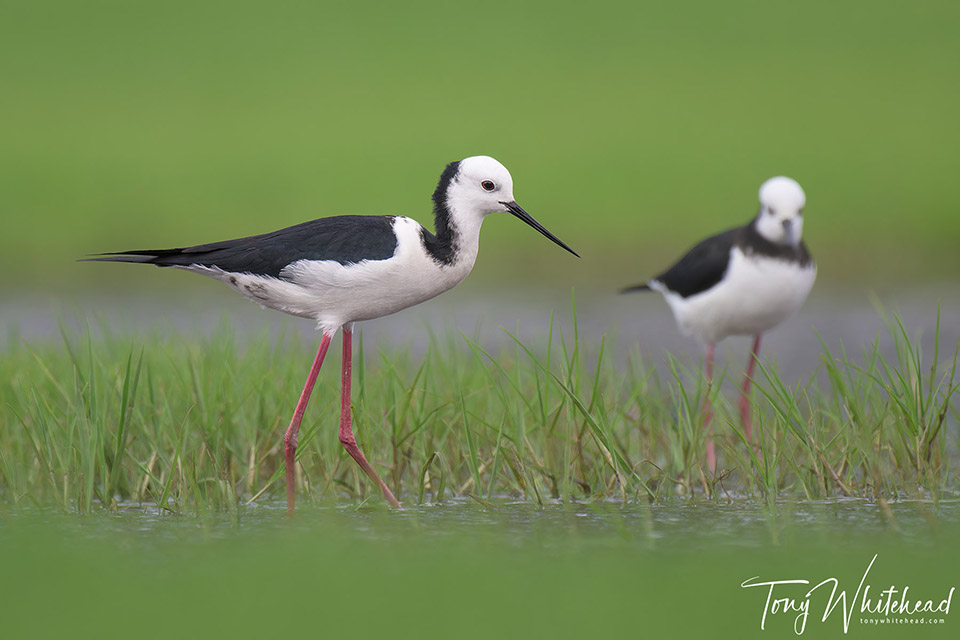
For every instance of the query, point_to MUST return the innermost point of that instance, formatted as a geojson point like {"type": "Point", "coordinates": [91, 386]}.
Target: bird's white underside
{"type": "Point", "coordinates": [334, 295]}
{"type": "Point", "coordinates": [756, 294]}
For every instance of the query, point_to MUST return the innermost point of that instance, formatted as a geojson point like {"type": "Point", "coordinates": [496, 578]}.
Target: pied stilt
{"type": "Point", "coordinates": [743, 281]}
{"type": "Point", "coordinates": [345, 269]}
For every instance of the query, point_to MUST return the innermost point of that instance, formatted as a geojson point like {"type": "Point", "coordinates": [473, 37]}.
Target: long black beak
{"type": "Point", "coordinates": [518, 211]}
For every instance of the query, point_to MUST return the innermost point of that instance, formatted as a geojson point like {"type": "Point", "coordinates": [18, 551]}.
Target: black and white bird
{"type": "Point", "coordinates": [345, 269]}
{"type": "Point", "coordinates": [743, 281]}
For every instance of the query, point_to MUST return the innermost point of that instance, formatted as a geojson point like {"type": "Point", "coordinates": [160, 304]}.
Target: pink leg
{"type": "Point", "coordinates": [346, 432]}
{"type": "Point", "coordinates": [745, 395]}
{"type": "Point", "coordinates": [290, 437]}
{"type": "Point", "coordinates": [708, 411]}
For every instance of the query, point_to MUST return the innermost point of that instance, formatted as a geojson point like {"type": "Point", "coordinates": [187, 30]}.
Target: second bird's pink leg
{"type": "Point", "coordinates": [708, 411]}
{"type": "Point", "coordinates": [346, 431]}
{"type": "Point", "coordinates": [745, 417]}
{"type": "Point", "coordinates": [290, 437]}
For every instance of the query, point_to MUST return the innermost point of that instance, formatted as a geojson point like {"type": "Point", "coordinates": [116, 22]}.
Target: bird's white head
{"type": "Point", "coordinates": [479, 186]}
{"type": "Point", "coordinates": [475, 187]}
{"type": "Point", "coordinates": [781, 211]}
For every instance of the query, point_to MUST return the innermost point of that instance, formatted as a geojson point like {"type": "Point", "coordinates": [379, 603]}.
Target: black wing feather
{"type": "Point", "coordinates": [344, 239]}
{"type": "Point", "coordinates": [702, 267]}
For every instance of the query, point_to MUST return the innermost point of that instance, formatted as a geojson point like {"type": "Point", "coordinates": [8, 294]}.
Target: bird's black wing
{"type": "Point", "coordinates": [344, 239]}
{"type": "Point", "coordinates": [700, 269]}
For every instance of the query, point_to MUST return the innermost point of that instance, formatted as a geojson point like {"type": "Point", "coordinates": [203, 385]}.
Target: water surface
{"type": "Point", "coordinates": [464, 569]}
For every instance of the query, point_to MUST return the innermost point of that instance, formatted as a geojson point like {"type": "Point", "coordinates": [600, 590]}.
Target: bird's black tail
{"type": "Point", "coordinates": [637, 287]}
{"type": "Point", "coordinates": [159, 257]}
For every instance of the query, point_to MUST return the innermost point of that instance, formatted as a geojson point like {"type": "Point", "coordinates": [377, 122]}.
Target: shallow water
{"type": "Point", "coordinates": [681, 524]}
{"type": "Point", "coordinates": [463, 569]}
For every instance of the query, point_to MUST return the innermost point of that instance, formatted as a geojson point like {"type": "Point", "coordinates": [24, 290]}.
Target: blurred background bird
{"type": "Point", "coordinates": [744, 281]}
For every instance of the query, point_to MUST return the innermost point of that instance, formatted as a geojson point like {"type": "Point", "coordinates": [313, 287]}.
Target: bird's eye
{"type": "Point", "coordinates": [488, 185]}
{"type": "Point", "coordinates": [771, 211]}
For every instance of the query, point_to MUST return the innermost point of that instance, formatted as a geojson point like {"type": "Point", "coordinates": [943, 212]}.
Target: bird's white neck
{"type": "Point", "coordinates": [457, 238]}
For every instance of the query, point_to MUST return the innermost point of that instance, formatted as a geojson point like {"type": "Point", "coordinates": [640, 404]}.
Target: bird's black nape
{"type": "Point", "coordinates": [440, 207]}
{"type": "Point", "coordinates": [442, 246]}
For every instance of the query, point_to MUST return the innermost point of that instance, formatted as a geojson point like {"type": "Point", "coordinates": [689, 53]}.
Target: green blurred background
{"type": "Point", "coordinates": [631, 128]}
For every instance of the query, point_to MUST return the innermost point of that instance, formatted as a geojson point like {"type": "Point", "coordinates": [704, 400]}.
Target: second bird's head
{"type": "Point", "coordinates": [781, 211]}
{"type": "Point", "coordinates": [478, 186]}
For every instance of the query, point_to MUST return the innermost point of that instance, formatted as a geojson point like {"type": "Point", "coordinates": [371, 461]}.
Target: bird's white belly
{"type": "Point", "coordinates": [756, 294]}
{"type": "Point", "coordinates": [334, 294]}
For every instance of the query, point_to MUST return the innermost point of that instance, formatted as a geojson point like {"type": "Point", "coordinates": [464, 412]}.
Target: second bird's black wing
{"type": "Point", "coordinates": [700, 269]}
{"type": "Point", "coordinates": [344, 239]}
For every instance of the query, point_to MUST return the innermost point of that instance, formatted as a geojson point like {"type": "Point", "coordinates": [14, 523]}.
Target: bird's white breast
{"type": "Point", "coordinates": [756, 294]}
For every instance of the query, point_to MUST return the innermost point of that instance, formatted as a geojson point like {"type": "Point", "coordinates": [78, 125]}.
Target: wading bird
{"type": "Point", "coordinates": [345, 269]}
{"type": "Point", "coordinates": [744, 281]}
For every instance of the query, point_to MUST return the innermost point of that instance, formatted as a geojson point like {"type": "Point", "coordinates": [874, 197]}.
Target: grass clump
{"type": "Point", "coordinates": [196, 424]}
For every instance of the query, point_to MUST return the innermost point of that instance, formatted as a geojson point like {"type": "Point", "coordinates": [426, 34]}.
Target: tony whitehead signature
{"type": "Point", "coordinates": [894, 601]}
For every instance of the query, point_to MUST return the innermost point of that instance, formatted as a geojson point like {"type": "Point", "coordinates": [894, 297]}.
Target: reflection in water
{"type": "Point", "coordinates": [680, 525]}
